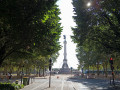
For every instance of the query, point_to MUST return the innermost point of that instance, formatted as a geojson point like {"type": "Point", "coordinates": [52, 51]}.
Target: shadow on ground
{"type": "Point", "coordinates": [94, 84]}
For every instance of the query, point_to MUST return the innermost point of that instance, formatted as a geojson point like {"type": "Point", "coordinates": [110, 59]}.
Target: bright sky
{"type": "Point", "coordinates": [66, 9]}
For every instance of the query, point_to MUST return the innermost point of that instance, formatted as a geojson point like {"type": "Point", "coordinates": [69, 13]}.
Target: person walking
{"type": "Point", "coordinates": [9, 75]}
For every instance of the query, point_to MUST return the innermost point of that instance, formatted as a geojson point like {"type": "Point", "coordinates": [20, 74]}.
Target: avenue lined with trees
{"type": "Point", "coordinates": [30, 32]}
{"type": "Point", "coordinates": [29, 41]}
{"type": "Point", "coordinates": [97, 34]}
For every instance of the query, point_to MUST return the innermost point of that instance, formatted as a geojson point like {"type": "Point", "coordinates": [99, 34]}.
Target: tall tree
{"type": "Point", "coordinates": [97, 27]}
{"type": "Point", "coordinates": [99, 22]}
{"type": "Point", "coordinates": [27, 25]}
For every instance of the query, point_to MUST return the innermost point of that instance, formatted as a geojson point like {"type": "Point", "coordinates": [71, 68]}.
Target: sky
{"type": "Point", "coordinates": [67, 22]}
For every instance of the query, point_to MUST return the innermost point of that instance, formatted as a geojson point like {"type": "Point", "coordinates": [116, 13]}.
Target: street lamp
{"type": "Point", "coordinates": [50, 67]}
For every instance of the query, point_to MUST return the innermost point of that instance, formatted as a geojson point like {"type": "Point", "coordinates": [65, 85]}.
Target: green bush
{"type": "Point", "coordinates": [9, 86]}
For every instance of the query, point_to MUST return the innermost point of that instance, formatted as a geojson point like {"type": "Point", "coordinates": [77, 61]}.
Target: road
{"type": "Point", "coordinates": [65, 82]}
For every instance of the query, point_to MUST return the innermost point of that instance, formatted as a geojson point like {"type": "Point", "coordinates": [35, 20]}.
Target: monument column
{"type": "Point", "coordinates": [65, 49]}
{"type": "Point", "coordinates": [65, 69]}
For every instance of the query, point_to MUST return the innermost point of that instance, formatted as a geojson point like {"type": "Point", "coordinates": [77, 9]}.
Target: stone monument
{"type": "Point", "coordinates": [65, 69]}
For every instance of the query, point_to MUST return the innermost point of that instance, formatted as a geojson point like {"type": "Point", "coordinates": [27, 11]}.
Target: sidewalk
{"type": "Point", "coordinates": [13, 79]}
{"type": "Point", "coordinates": [114, 87]}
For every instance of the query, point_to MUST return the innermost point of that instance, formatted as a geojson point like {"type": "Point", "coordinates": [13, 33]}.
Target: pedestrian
{"type": "Point", "coordinates": [9, 75]}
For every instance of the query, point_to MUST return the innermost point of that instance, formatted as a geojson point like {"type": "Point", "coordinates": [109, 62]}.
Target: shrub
{"type": "Point", "coordinates": [9, 86]}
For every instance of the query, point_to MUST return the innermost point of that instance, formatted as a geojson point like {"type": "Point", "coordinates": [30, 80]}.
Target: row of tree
{"type": "Point", "coordinates": [97, 33]}
{"type": "Point", "coordinates": [29, 33]}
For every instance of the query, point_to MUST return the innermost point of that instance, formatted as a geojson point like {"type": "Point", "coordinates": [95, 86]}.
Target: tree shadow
{"type": "Point", "coordinates": [93, 83]}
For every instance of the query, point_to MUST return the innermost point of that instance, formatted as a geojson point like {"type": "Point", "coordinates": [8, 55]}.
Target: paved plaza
{"type": "Point", "coordinates": [66, 82]}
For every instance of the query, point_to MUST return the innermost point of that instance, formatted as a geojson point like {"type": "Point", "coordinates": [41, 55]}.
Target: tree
{"type": "Point", "coordinates": [97, 28]}
{"type": "Point", "coordinates": [27, 26]}
{"type": "Point", "coordinates": [100, 23]}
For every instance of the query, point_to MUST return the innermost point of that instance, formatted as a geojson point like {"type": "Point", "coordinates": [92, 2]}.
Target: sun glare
{"type": "Point", "coordinates": [88, 4]}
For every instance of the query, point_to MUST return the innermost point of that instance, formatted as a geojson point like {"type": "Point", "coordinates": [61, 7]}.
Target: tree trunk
{"type": "Point", "coordinates": [98, 69]}
{"type": "Point", "coordinates": [29, 71]}
{"type": "Point", "coordinates": [2, 53]}
{"type": "Point", "coordinates": [5, 70]}
{"type": "Point", "coordinates": [39, 72]}
{"type": "Point", "coordinates": [43, 72]}
{"type": "Point", "coordinates": [106, 74]}
{"type": "Point", "coordinates": [88, 70]}
{"type": "Point", "coordinates": [34, 69]}
{"type": "Point", "coordinates": [93, 69]}
{"type": "Point", "coordinates": [103, 68]}
{"type": "Point", "coordinates": [26, 71]}
{"type": "Point", "coordinates": [18, 72]}
{"type": "Point", "coordinates": [11, 70]}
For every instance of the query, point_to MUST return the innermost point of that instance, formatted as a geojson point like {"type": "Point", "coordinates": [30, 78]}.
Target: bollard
{"type": "Point", "coordinates": [57, 77]}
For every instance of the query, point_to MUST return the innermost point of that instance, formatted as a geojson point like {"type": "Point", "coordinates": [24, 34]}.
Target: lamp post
{"type": "Point", "coordinates": [50, 66]}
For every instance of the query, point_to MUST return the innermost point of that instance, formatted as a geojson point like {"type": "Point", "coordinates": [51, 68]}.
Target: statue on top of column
{"type": "Point", "coordinates": [64, 36]}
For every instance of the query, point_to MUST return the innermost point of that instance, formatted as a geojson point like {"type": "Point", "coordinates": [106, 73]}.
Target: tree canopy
{"type": "Point", "coordinates": [29, 27]}
{"type": "Point", "coordinates": [99, 23]}
{"type": "Point", "coordinates": [97, 28]}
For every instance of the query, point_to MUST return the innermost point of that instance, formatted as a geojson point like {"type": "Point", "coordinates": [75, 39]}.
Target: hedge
{"type": "Point", "coordinates": [10, 86]}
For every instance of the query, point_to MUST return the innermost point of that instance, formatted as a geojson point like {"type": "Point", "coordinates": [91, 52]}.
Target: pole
{"type": "Point", "coordinates": [50, 79]}
{"type": "Point", "coordinates": [22, 76]}
{"type": "Point", "coordinates": [110, 80]}
{"type": "Point", "coordinates": [50, 66]}
{"type": "Point", "coordinates": [112, 68]}
{"type": "Point", "coordinates": [113, 77]}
